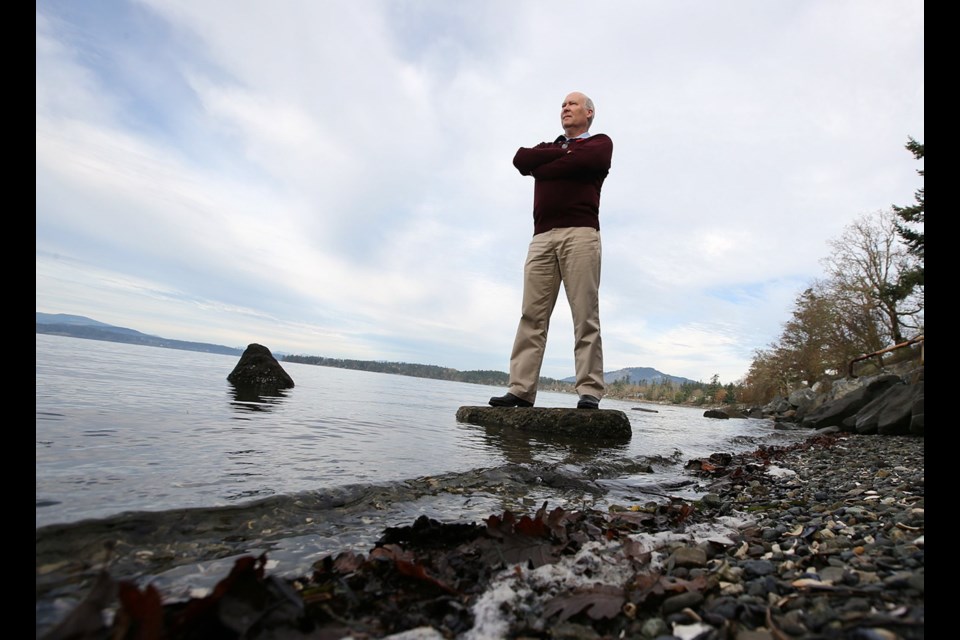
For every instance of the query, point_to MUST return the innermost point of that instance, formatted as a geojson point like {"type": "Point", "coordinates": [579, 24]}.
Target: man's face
{"type": "Point", "coordinates": [574, 112]}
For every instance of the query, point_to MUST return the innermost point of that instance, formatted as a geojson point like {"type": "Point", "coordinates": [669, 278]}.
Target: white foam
{"type": "Point", "coordinates": [517, 589]}
{"type": "Point", "coordinates": [779, 472]}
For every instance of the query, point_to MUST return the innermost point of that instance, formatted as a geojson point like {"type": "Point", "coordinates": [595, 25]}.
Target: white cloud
{"type": "Point", "coordinates": [335, 178]}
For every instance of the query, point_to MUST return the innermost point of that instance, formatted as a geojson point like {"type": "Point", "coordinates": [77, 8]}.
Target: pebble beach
{"type": "Point", "coordinates": [823, 539]}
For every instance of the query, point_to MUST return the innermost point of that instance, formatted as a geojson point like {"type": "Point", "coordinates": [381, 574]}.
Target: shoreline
{"type": "Point", "coordinates": [821, 539]}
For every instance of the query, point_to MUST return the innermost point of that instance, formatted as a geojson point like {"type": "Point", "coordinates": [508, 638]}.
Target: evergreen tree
{"type": "Point", "coordinates": [912, 236]}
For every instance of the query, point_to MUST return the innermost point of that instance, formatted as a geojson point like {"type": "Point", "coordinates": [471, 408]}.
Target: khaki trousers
{"type": "Point", "coordinates": [570, 256]}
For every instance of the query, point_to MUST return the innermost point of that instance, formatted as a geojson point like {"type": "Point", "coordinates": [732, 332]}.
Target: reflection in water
{"type": "Point", "coordinates": [256, 397]}
{"type": "Point", "coordinates": [526, 447]}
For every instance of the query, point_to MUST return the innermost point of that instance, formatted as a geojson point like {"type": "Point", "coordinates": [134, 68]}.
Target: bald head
{"type": "Point", "coordinates": [576, 114]}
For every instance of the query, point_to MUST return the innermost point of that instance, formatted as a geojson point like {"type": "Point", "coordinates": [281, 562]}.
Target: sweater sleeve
{"type": "Point", "coordinates": [529, 158]}
{"type": "Point", "coordinates": [587, 159]}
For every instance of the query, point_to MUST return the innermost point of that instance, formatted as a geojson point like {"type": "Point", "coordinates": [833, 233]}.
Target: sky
{"type": "Point", "coordinates": [334, 178]}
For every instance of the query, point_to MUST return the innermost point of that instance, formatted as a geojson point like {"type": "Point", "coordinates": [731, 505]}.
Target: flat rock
{"type": "Point", "coordinates": [592, 424]}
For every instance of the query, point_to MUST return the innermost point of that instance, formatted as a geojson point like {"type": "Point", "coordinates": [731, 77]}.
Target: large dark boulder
{"type": "Point", "coordinates": [258, 369]}
{"type": "Point", "coordinates": [899, 415]}
{"type": "Point", "coordinates": [833, 414]}
{"type": "Point", "coordinates": [890, 413]}
{"type": "Point", "coordinates": [888, 403]}
{"type": "Point", "coordinates": [606, 425]}
{"type": "Point", "coordinates": [916, 418]}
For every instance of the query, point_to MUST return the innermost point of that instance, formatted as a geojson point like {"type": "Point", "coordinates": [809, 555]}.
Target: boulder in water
{"type": "Point", "coordinates": [259, 369]}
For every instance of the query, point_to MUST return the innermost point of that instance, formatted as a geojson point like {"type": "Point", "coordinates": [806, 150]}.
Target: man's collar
{"type": "Point", "coordinates": [563, 138]}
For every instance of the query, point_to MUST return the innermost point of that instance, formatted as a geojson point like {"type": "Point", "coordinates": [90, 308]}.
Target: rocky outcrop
{"type": "Point", "coordinates": [890, 413]}
{"type": "Point", "coordinates": [605, 425]}
{"type": "Point", "coordinates": [832, 414]}
{"type": "Point", "coordinates": [258, 369]}
{"type": "Point", "coordinates": [888, 403]}
{"type": "Point", "coordinates": [885, 404]}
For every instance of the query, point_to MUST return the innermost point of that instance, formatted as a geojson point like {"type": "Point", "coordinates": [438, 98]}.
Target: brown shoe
{"type": "Point", "coordinates": [509, 400]}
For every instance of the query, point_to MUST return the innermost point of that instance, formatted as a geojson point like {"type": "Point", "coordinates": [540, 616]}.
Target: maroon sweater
{"type": "Point", "coordinates": [566, 190]}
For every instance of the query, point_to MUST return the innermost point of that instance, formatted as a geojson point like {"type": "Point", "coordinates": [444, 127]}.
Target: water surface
{"type": "Point", "coordinates": [154, 448]}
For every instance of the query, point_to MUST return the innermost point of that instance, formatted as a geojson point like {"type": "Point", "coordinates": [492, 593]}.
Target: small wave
{"type": "Point", "coordinates": [150, 542]}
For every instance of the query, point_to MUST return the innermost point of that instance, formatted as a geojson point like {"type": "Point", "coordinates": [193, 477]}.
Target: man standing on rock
{"type": "Point", "coordinates": [568, 175]}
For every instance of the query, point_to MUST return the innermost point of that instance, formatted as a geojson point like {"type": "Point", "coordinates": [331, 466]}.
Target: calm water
{"type": "Point", "coordinates": [124, 429]}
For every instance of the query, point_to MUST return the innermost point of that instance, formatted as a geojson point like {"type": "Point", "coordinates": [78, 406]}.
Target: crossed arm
{"type": "Point", "coordinates": [583, 159]}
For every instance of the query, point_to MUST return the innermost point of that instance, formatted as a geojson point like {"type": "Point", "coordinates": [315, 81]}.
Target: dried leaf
{"type": "Point", "coordinates": [419, 572]}
{"type": "Point", "coordinates": [598, 602]}
{"type": "Point", "coordinates": [141, 613]}
{"type": "Point", "coordinates": [680, 585]}
{"type": "Point", "coordinates": [533, 528]}
{"type": "Point", "coordinates": [636, 551]}
{"type": "Point", "coordinates": [202, 613]}
{"type": "Point", "coordinates": [348, 562]}
{"type": "Point", "coordinates": [392, 552]}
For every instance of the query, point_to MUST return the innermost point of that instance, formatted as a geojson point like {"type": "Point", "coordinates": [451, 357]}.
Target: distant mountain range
{"type": "Point", "coordinates": [82, 327]}
{"type": "Point", "coordinates": [63, 324]}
